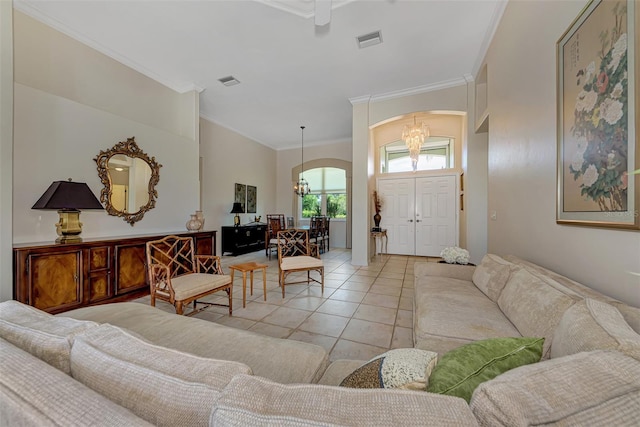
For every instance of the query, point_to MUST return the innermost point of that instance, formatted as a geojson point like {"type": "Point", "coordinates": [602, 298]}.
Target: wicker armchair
{"type": "Point", "coordinates": [296, 254]}
{"type": "Point", "coordinates": [178, 276]}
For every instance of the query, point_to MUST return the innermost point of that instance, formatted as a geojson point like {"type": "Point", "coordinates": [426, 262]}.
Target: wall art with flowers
{"type": "Point", "coordinates": [597, 104]}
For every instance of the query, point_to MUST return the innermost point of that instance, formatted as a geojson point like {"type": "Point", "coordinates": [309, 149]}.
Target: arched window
{"type": "Point", "coordinates": [436, 153]}
{"type": "Point", "coordinates": [328, 193]}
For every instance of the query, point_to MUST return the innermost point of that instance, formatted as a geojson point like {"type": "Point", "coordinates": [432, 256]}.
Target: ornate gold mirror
{"type": "Point", "coordinates": [129, 177]}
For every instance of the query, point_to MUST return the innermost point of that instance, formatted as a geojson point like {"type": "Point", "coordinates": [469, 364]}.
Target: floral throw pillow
{"type": "Point", "coordinates": [403, 368]}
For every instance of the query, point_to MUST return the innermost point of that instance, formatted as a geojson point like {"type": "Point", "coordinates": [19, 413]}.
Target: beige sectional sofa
{"type": "Point", "coordinates": [131, 364]}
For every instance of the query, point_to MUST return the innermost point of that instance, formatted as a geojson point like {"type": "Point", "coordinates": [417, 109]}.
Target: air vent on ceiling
{"type": "Point", "coordinates": [229, 81]}
{"type": "Point", "coordinates": [369, 39]}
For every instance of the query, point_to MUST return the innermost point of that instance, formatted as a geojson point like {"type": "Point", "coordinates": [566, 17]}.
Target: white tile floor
{"type": "Point", "coordinates": [364, 311]}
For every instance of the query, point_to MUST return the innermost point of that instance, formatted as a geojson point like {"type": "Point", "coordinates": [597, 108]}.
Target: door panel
{"type": "Point", "coordinates": [398, 197]}
{"type": "Point", "coordinates": [436, 215]}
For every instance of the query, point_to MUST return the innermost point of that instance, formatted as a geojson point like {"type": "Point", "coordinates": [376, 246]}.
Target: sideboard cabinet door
{"type": "Point", "coordinates": [55, 280]}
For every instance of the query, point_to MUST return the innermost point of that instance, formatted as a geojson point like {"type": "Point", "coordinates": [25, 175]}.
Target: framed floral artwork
{"type": "Point", "coordinates": [598, 157]}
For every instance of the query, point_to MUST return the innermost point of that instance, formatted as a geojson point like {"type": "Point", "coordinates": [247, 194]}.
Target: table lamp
{"type": "Point", "coordinates": [237, 208]}
{"type": "Point", "coordinates": [68, 198]}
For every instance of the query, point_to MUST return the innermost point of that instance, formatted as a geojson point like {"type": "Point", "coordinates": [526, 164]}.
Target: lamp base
{"type": "Point", "coordinates": [69, 226]}
{"type": "Point", "coordinates": [236, 220]}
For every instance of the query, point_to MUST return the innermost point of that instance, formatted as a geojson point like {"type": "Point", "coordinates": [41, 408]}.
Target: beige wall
{"type": "Point", "coordinates": [6, 148]}
{"type": "Point", "coordinates": [369, 112]}
{"type": "Point", "coordinates": [522, 158]}
{"type": "Point", "coordinates": [227, 158]}
{"type": "Point", "coordinates": [314, 156]}
{"type": "Point", "coordinates": [71, 102]}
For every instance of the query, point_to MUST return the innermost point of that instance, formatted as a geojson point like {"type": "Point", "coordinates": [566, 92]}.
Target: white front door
{"type": "Point", "coordinates": [398, 210]}
{"type": "Point", "coordinates": [435, 215]}
{"type": "Point", "coordinates": [419, 214]}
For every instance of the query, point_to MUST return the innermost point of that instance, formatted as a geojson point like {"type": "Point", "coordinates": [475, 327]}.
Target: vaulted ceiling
{"type": "Point", "coordinates": [291, 71]}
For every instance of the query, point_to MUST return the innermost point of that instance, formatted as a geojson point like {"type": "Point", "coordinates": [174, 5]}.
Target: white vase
{"type": "Point", "coordinates": [194, 223]}
{"type": "Point", "coordinates": [201, 219]}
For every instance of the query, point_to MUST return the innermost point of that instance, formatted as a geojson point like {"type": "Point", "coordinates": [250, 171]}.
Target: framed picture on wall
{"type": "Point", "coordinates": [241, 195]}
{"type": "Point", "coordinates": [252, 198]}
{"type": "Point", "coordinates": [598, 157]}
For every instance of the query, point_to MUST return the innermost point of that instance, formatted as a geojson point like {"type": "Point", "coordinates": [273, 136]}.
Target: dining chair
{"type": "Point", "coordinates": [295, 254]}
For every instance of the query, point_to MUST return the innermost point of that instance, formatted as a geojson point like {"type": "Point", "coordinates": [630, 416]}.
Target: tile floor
{"type": "Point", "coordinates": [364, 311]}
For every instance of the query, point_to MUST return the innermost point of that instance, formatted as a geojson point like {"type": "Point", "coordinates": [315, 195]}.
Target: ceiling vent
{"type": "Point", "coordinates": [229, 81]}
{"type": "Point", "coordinates": [369, 39]}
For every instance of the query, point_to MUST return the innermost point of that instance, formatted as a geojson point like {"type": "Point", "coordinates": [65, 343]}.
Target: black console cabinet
{"type": "Point", "coordinates": [243, 238]}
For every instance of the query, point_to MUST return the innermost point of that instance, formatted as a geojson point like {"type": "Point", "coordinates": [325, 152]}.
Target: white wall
{"type": "Point", "coordinates": [290, 159]}
{"type": "Point", "coordinates": [6, 148]}
{"type": "Point", "coordinates": [522, 158]}
{"type": "Point", "coordinates": [227, 158]}
{"type": "Point", "coordinates": [71, 102]}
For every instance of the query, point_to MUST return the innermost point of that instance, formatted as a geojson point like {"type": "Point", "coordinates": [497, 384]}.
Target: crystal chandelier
{"type": "Point", "coordinates": [302, 186]}
{"type": "Point", "coordinates": [413, 137]}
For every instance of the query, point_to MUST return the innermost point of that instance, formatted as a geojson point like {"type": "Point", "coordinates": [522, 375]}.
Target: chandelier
{"type": "Point", "coordinates": [302, 186]}
{"type": "Point", "coordinates": [413, 137]}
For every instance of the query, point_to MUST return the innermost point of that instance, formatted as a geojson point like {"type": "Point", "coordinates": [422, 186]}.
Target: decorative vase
{"type": "Point", "coordinates": [200, 218]}
{"type": "Point", "coordinates": [376, 219]}
{"type": "Point", "coordinates": [194, 223]}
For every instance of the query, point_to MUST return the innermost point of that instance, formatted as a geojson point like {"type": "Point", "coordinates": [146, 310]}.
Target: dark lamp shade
{"type": "Point", "coordinates": [68, 195]}
{"type": "Point", "coordinates": [237, 208]}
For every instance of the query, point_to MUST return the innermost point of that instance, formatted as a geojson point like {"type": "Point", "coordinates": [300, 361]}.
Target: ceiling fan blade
{"type": "Point", "coordinates": [323, 12]}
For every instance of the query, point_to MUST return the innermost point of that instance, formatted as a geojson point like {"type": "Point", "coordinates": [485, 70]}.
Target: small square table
{"type": "Point", "coordinates": [250, 267]}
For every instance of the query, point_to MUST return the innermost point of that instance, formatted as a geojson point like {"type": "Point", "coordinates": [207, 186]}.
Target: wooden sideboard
{"type": "Point", "coordinates": [58, 277]}
{"type": "Point", "coordinates": [243, 238]}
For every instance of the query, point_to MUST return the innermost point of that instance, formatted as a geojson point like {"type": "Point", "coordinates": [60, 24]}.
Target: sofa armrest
{"type": "Point", "coordinates": [454, 271]}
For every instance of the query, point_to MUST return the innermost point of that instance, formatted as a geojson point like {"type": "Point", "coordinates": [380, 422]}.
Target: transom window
{"type": "Point", "coordinates": [436, 153]}
{"type": "Point", "coordinates": [328, 193]}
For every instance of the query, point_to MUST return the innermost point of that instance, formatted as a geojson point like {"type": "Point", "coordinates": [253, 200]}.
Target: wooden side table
{"type": "Point", "coordinates": [250, 267]}
{"type": "Point", "coordinates": [379, 235]}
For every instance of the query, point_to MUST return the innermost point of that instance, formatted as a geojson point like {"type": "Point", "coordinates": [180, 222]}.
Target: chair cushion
{"type": "Point", "coordinates": [594, 325]}
{"type": "Point", "coordinates": [255, 401]}
{"type": "Point", "coordinates": [189, 285]}
{"type": "Point", "coordinates": [585, 389]}
{"type": "Point", "coordinates": [163, 386]}
{"type": "Point", "coordinates": [298, 262]}
{"type": "Point", "coordinates": [43, 335]}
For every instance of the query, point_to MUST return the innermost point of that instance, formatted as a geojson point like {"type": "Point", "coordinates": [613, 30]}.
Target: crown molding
{"type": "Point", "coordinates": [37, 14]}
{"type": "Point", "coordinates": [491, 31]}
{"type": "Point", "coordinates": [446, 84]}
{"type": "Point", "coordinates": [360, 99]}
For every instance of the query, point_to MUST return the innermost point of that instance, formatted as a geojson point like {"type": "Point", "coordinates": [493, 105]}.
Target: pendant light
{"type": "Point", "coordinates": [302, 186]}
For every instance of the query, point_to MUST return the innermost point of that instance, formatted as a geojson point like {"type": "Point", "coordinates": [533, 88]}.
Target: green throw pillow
{"type": "Point", "coordinates": [461, 370]}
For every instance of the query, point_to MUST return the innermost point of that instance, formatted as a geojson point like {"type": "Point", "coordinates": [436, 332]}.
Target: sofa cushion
{"type": "Point", "coordinates": [460, 371]}
{"type": "Point", "coordinates": [250, 400]}
{"type": "Point", "coordinates": [491, 275]}
{"type": "Point", "coordinates": [405, 368]}
{"type": "Point", "coordinates": [164, 386]}
{"type": "Point", "coordinates": [285, 361]}
{"type": "Point", "coordinates": [34, 393]}
{"type": "Point", "coordinates": [588, 388]}
{"type": "Point", "coordinates": [450, 312]}
{"type": "Point", "coordinates": [535, 305]}
{"type": "Point", "coordinates": [594, 325]}
{"type": "Point", "coordinates": [39, 333]}
{"type": "Point", "coordinates": [631, 314]}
